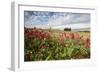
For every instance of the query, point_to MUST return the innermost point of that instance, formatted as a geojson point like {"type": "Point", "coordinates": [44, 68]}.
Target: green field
{"type": "Point", "coordinates": [53, 44]}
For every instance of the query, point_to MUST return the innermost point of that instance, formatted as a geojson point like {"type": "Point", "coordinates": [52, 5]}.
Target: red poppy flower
{"type": "Point", "coordinates": [87, 42]}
{"type": "Point", "coordinates": [72, 35]}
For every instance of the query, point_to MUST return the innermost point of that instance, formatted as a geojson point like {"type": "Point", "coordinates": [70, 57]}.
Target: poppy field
{"type": "Point", "coordinates": [53, 44]}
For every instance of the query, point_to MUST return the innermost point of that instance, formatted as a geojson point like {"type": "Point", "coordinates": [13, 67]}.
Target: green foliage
{"type": "Point", "coordinates": [52, 48]}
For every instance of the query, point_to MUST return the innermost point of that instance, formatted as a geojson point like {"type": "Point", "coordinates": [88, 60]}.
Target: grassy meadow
{"type": "Point", "coordinates": [53, 44]}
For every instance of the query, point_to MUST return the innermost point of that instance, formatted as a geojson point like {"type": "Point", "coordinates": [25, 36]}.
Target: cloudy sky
{"type": "Point", "coordinates": [42, 18]}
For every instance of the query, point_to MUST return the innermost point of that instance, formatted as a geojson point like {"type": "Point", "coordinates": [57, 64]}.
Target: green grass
{"type": "Point", "coordinates": [55, 47]}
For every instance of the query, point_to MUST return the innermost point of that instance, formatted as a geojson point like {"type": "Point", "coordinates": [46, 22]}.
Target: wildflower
{"type": "Point", "coordinates": [44, 46]}
{"type": "Point", "coordinates": [72, 35]}
{"type": "Point", "coordinates": [87, 42]}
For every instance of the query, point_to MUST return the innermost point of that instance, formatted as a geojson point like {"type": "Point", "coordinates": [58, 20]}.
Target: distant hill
{"type": "Point", "coordinates": [81, 29]}
{"type": "Point", "coordinates": [74, 27]}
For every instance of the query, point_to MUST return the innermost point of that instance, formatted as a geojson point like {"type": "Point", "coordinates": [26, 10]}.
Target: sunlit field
{"type": "Point", "coordinates": [53, 44]}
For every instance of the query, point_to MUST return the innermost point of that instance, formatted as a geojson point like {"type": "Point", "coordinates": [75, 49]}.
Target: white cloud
{"type": "Point", "coordinates": [61, 20]}
{"type": "Point", "coordinates": [56, 19]}
{"type": "Point", "coordinates": [69, 19]}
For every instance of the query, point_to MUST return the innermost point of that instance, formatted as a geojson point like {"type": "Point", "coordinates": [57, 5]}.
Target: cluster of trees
{"type": "Point", "coordinates": [67, 29]}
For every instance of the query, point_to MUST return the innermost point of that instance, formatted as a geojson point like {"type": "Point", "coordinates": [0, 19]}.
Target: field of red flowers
{"type": "Point", "coordinates": [49, 44]}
